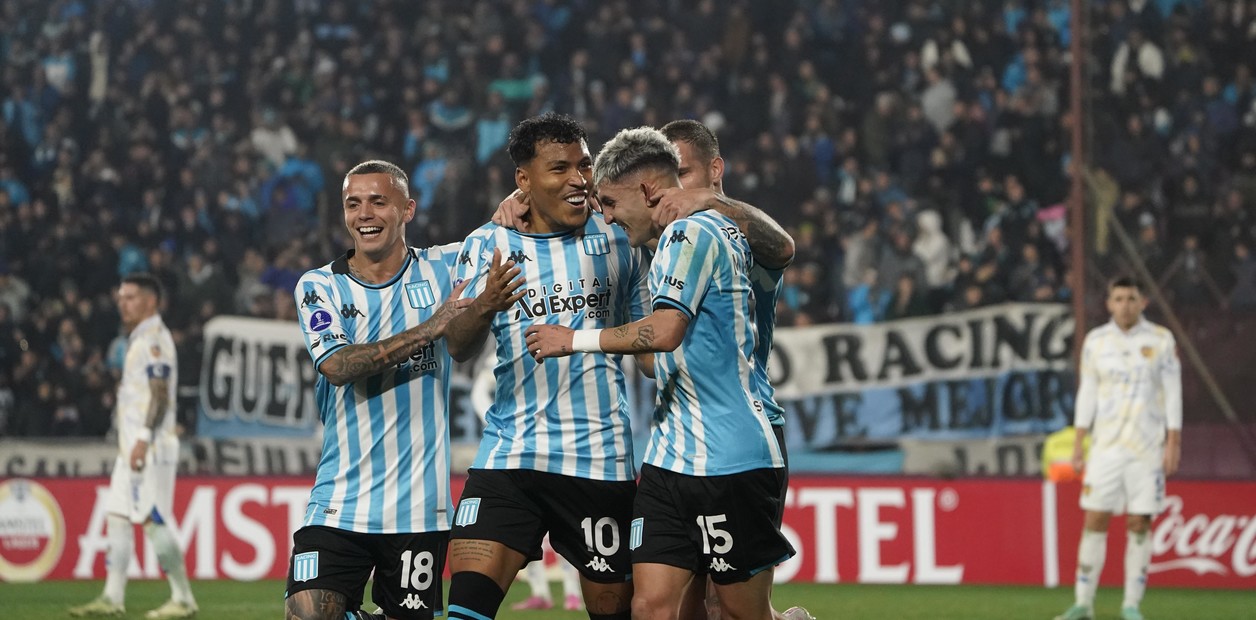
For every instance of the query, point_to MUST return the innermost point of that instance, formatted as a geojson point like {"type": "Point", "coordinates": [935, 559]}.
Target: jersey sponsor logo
{"type": "Point", "coordinates": [719, 565]}
{"type": "Point", "coordinates": [553, 304]}
{"type": "Point", "coordinates": [519, 257]}
{"type": "Point", "coordinates": [732, 232]}
{"type": "Point", "coordinates": [312, 298]}
{"type": "Point", "coordinates": [412, 601]}
{"type": "Point", "coordinates": [422, 360]}
{"type": "Point", "coordinates": [468, 512]}
{"type": "Point", "coordinates": [320, 320]}
{"type": "Point", "coordinates": [597, 245]}
{"type": "Point", "coordinates": [349, 311]}
{"type": "Point", "coordinates": [305, 566]}
{"type": "Point", "coordinates": [420, 294]}
{"type": "Point", "coordinates": [675, 283]}
{"type": "Point", "coordinates": [634, 535]}
{"type": "Point", "coordinates": [599, 564]}
{"type": "Point", "coordinates": [677, 237]}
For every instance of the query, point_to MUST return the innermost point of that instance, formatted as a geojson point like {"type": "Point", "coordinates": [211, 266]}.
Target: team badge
{"type": "Point", "coordinates": [468, 512]}
{"type": "Point", "coordinates": [597, 244]}
{"type": "Point", "coordinates": [305, 566]}
{"type": "Point", "coordinates": [420, 294]}
{"type": "Point", "coordinates": [1148, 352]}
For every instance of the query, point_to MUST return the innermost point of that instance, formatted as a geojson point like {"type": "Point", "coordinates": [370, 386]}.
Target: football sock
{"type": "Point", "coordinates": [1137, 559]}
{"type": "Point", "coordinates": [473, 596]}
{"type": "Point", "coordinates": [535, 574]}
{"type": "Point", "coordinates": [1090, 557]}
{"type": "Point", "coordinates": [571, 578]}
{"type": "Point", "coordinates": [121, 536]}
{"type": "Point", "coordinates": [171, 560]}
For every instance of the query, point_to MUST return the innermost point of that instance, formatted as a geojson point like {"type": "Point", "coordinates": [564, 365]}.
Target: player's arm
{"type": "Point", "coordinates": [353, 362]}
{"type": "Point", "coordinates": [1171, 384]}
{"type": "Point", "coordinates": [772, 247]}
{"type": "Point", "coordinates": [645, 364]}
{"type": "Point", "coordinates": [158, 405]}
{"type": "Point", "coordinates": [661, 332]}
{"type": "Point", "coordinates": [467, 332]}
{"type": "Point", "coordinates": [1087, 402]}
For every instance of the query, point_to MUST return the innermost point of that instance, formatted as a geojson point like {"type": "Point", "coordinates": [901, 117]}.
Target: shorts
{"type": "Point", "coordinates": [721, 526]}
{"type": "Point", "coordinates": [408, 568]}
{"type": "Point", "coordinates": [587, 520]}
{"type": "Point", "coordinates": [149, 493]}
{"type": "Point", "coordinates": [1121, 484]}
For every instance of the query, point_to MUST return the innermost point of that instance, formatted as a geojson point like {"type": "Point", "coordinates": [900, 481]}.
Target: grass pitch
{"type": "Point", "coordinates": [263, 600]}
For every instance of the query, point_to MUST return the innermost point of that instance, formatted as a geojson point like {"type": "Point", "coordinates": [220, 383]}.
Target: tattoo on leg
{"type": "Point", "coordinates": [315, 605]}
{"type": "Point", "coordinates": [464, 550]}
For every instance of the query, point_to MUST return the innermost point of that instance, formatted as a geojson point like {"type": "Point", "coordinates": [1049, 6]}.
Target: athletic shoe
{"type": "Point", "coordinates": [172, 609]}
{"type": "Point", "coordinates": [573, 602]}
{"type": "Point", "coordinates": [99, 607]}
{"type": "Point", "coordinates": [797, 613]}
{"type": "Point", "coordinates": [532, 602]}
{"type": "Point", "coordinates": [1077, 612]}
{"type": "Point", "coordinates": [1131, 613]}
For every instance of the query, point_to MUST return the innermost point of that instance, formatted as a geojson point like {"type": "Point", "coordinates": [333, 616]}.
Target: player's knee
{"type": "Point", "coordinates": [1138, 524]}
{"type": "Point", "coordinates": [612, 599]}
{"type": "Point", "coordinates": [647, 606]}
{"type": "Point", "coordinates": [315, 605]}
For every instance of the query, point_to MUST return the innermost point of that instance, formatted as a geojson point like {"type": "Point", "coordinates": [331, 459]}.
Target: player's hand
{"type": "Point", "coordinates": [546, 341]}
{"type": "Point", "coordinates": [675, 203]}
{"type": "Point", "coordinates": [514, 211]}
{"type": "Point", "coordinates": [1172, 457]}
{"type": "Point", "coordinates": [138, 453]}
{"type": "Point", "coordinates": [453, 306]}
{"type": "Point", "coordinates": [502, 286]}
{"type": "Point", "coordinates": [1079, 459]}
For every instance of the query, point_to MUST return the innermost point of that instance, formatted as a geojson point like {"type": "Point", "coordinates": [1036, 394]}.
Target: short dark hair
{"type": "Point", "coordinates": [379, 166]}
{"type": "Point", "coordinates": [147, 282]}
{"type": "Point", "coordinates": [548, 127]}
{"type": "Point", "coordinates": [703, 140]}
{"type": "Point", "coordinates": [1127, 282]}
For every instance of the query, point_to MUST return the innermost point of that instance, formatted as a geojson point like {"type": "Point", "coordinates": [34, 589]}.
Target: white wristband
{"type": "Point", "coordinates": [587, 340]}
{"type": "Point", "coordinates": [145, 435]}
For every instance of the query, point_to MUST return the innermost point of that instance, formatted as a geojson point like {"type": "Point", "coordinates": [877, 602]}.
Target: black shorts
{"type": "Point", "coordinates": [721, 526]}
{"type": "Point", "coordinates": [408, 568]}
{"type": "Point", "coordinates": [779, 431]}
{"type": "Point", "coordinates": [587, 520]}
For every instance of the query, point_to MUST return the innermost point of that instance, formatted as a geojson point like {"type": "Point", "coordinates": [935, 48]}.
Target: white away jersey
{"type": "Point", "coordinates": [385, 462]}
{"type": "Point", "coordinates": [567, 415]}
{"type": "Point", "coordinates": [708, 421]}
{"type": "Point", "coordinates": [150, 354]}
{"type": "Point", "coordinates": [1130, 388]}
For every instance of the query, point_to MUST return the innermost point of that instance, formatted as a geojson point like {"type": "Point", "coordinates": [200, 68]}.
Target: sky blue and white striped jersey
{"type": "Point", "coordinates": [708, 421]}
{"type": "Point", "coordinates": [385, 462]}
{"type": "Point", "coordinates": [766, 284]}
{"type": "Point", "coordinates": [566, 415]}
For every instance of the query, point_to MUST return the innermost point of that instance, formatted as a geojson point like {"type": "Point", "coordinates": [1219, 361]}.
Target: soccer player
{"type": "Point", "coordinates": [702, 167]}
{"type": "Point", "coordinates": [141, 490]}
{"type": "Point", "coordinates": [374, 326]}
{"type": "Point", "coordinates": [556, 454]}
{"type": "Point", "coordinates": [1131, 393]}
{"type": "Point", "coordinates": [709, 495]}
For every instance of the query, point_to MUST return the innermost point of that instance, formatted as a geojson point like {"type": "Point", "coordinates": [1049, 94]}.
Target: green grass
{"type": "Point", "coordinates": [227, 600]}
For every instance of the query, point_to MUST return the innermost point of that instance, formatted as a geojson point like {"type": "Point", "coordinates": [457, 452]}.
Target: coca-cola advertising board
{"type": "Point", "coordinates": [848, 530]}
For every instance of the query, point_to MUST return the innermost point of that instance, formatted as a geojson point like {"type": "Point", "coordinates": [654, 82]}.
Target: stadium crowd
{"type": "Point", "coordinates": [917, 150]}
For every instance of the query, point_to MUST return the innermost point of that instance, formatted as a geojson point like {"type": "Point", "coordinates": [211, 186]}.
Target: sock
{"type": "Point", "coordinates": [1090, 557]}
{"type": "Point", "coordinates": [623, 615]}
{"type": "Point", "coordinates": [535, 574]}
{"type": "Point", "coordinates": [571, 578]}
{"type": "Point", "coordinates": [121, 536]}
{"type": "Point", "coordinates": [171, 560]}
{"type": "Point", "coordinates": [1137, 559]}
{"type": "Point", "coordinates": [473, 596]}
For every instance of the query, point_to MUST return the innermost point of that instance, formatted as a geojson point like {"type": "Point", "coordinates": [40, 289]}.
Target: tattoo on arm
{"type": "Point", "coordinates": [770, 244]}
{"type": "Point", "coordinates": [315, 605]}
{"type": "Point", "coordinates": [358, 361]}
{"type": "Point", "coordinates": [645, 338]}
{"type": "Point", "coordinates": [158, 403]}
{"type": "Point", "coordinates": [621, 331]}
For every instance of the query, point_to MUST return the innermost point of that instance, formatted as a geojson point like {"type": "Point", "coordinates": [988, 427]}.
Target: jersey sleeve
{"type": "Point", "coordinates": [471, 264]}
{"type": "Point", "coordinates": [639, 286]}
{"type": "Point", "coordinates": [1088, 386]}
{"type": "Point", "coordinates": [159, 361]}
{"type": "Point", "coordinates": [448, 255]}
{"type": "Point", "coordinates": [321, 326]}
{"type": "Point", "coordinates": [683, 266]}
{"type": "Point", "coordinates": [1171, 383]}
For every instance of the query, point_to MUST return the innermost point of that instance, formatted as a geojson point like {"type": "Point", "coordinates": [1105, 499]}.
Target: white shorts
{"type": "Point", "coordinates": [1121, 484]}
{"type": "Point", "coordinates": [146, 494]}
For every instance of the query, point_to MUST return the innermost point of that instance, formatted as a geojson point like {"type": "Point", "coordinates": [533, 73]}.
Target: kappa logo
{"type": "Point", "coordinates": [349, 311]}
{"type": "Point", "coordinates": [719, 565]}
{"type": "Point", "coordinates": [464, 258]}
{"type": "Point", "coordinates": [678, 236]}
{"type": "Point", "coordinates": [598, 564]}
{"type": "Point", "coordinates": [412, 601]}
{"type": "Point", "coordinates": [519, 257]}
{"type": "Point", "coordinates": [312, 298]}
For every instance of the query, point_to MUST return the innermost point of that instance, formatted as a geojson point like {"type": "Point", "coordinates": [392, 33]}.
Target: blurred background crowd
{"type": "Point", "coordinates": [917, 150]}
